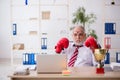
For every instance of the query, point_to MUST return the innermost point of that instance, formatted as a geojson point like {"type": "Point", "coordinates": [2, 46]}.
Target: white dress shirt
{"type": "Point", "coordinates": [85, 56]}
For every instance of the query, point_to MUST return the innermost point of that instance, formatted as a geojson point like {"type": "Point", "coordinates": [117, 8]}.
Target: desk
{"type": "Point", "coordinates": [81, 73]}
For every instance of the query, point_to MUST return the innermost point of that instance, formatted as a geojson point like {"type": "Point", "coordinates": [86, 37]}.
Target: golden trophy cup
{"type": "Point", "coordinates": [99, 56]}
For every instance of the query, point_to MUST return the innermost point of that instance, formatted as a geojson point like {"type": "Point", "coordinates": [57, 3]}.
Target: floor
{"type": "Point", "coordinates": [5, 69]}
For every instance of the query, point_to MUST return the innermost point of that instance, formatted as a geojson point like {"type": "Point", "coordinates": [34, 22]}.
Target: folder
{"type": "Point", "coordinates": [110, 28]}
{"type": "Point", "coordinates": [43, 43]}
{"type": "Point", "coordinates": [14, 29]}
{"type": "Point", "coordinates": [118, 57]}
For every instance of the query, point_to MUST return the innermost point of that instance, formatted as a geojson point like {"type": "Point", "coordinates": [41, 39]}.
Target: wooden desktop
{"type": "Point", "coordinates": [77, 73]}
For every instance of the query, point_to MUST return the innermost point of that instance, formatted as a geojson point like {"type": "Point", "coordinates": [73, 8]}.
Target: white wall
{"type": "Point", "coordinates": [91, 6]}
{"type": "Point", "coordinates": [5, 51]}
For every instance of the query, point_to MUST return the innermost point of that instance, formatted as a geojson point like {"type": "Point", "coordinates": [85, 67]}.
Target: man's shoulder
{"type": "Point", "coordinates": [87, 49]}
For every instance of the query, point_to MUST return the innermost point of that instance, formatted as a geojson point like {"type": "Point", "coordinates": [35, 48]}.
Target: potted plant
{"type": "Point", "coordinates": [80, 17]}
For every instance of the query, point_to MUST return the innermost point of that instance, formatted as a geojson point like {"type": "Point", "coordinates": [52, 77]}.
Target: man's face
{"type": "Point", "coordinates": [78, 35]}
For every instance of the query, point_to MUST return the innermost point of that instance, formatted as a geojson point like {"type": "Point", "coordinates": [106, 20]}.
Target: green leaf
{"type": "Point", "coordinates": [80, 16]}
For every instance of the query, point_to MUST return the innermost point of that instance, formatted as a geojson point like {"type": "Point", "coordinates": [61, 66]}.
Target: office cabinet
{"type": "Point", "coordinates": [111, 26]}
{"type": "Point", "coordinates": [24, 29]}
{"type": "Point", "coordinates": [36, 26]}
{"type": "Point", "coordinates": [56, 25]}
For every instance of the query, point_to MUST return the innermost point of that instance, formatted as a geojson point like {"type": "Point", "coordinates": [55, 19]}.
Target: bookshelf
{"type": "Point", "coordinates": [25, 29]}
{"type": "Point", "coordinates": [54, 22]}
{"type": "Point", "coordinates": [36, 26]}
{"type": "Point", "coordinates": [111, 26]}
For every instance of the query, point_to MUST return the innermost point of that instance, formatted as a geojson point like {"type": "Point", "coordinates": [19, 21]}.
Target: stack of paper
{"type": "Point", "coordinates": [115, 66]}
{"type": "Point", "coordinates": [21, 70]}
{"type": "Point", "coordinates": [31, 67]}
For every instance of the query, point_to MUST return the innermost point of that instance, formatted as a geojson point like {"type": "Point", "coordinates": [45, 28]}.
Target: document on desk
{"type": "Point", "coordinates": [24, 69]}
{"type": "Point", "coordinates": [21, 70]}
{"type": "Point", "coordinates": [31, 67]}
{"type": "Point", "coordinates": [115, 66]}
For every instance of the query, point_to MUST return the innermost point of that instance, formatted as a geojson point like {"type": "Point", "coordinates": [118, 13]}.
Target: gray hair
{"type": "Point", "coordinates": [80, 26]}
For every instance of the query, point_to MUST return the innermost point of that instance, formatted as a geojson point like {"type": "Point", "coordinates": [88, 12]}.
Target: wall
{"type": "Point", "coordinates": [5, 51]}
{"type": "Point", "coordinates": [90, 6]}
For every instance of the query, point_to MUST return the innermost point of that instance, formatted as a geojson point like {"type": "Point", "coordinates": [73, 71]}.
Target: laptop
{"type": "Point", "coordinates": [51, 63]}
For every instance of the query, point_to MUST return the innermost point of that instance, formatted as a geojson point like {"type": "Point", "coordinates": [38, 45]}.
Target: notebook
{"type": "Point", "coordinates": [51, 63]}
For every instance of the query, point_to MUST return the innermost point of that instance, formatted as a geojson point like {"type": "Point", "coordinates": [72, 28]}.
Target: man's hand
{"type": "Point", "coordinates": [62, 43]}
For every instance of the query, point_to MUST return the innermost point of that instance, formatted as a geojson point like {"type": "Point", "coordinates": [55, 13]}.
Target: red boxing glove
{"type": "Point", "coordinates": [62, 43]}
{"type": "Point", "coordinates": [92, 43]}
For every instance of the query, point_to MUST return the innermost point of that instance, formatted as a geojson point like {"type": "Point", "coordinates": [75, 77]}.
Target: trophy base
{"type": "Point", "coordinates": [100, 70]}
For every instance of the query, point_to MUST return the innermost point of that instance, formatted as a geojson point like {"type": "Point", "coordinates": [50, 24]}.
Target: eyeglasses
{"type": "Point", "coordinates": [78, 34]}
